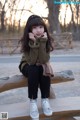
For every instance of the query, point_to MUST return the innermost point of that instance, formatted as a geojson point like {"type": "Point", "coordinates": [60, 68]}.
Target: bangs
{"type": "Point", "coordinates": [35, 22]}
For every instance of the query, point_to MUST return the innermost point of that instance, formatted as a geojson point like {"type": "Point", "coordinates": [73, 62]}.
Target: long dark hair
{"type": "Point", "coordinates": [34, 20]}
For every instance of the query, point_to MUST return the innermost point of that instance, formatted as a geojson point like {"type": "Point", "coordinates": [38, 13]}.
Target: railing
{"type": "Point", "coordinates": [9, 46]}
{"type": "Point", "coordinates": [63, 40]}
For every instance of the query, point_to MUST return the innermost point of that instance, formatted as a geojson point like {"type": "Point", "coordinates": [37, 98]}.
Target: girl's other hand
{"type": "Point", "coordinates": [44, 35]}
{"type": "Point", "coordinates": [31, 36]}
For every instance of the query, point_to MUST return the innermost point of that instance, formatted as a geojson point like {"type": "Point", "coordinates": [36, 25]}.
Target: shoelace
{"type": "Point", "coordinates": [34, 107]}
{"type": "Point", "coordinates": [46, 102]}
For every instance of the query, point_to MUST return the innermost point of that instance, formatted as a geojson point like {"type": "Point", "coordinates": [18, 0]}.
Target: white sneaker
{"type": "Point", "coordinates": [46, 107]}
{"type": "Point", "coordinates": [33, 109]}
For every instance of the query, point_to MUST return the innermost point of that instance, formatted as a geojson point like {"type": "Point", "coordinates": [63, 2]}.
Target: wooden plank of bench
{"type": "Point", "coordinates": [20, 81]}
{"type": "Point", "coordinates": [62, 107]}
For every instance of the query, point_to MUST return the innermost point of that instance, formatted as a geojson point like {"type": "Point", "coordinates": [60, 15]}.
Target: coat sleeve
{"type": "Point", "coordinates": [34, 44]}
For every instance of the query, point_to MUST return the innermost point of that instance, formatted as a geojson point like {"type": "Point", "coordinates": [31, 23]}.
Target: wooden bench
{"type": "Point", "coordinates": [18, 81]}
{"type": "Point", "coordinates": [63, 108]}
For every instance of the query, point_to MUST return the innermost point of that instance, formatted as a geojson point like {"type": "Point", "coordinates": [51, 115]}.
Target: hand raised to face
{"type": "Point", "coordinates": [31, 36]}
{"type": "Point", "coordinates": [44, 35]}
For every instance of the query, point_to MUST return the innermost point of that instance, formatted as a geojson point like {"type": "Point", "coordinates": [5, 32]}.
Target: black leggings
{"type": "Point", "coordinates": [35, 77]}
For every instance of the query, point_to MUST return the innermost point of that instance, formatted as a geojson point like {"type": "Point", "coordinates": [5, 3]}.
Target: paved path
{"type": "Point", "coordinates": [54, 58]}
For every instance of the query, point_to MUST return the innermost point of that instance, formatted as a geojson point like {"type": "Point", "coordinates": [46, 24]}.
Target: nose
{"type": "Point", "coordinates": [38, 29]}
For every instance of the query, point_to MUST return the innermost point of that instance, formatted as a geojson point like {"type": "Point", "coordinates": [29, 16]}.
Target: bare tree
{"type": "Point", "coordinates": [53, 15]}
{"type": "Point", "coordinates": [75, 26]}
{"type": "Point", "coordinates": [21, 15]}
{"type": "Point", "coordinates": [3, 16]}
{"type": "Point", "coordinates": [11, 26]}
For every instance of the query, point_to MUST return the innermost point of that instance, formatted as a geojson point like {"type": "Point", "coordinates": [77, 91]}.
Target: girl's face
{"type": "Point", "coordinates": [38, 30]}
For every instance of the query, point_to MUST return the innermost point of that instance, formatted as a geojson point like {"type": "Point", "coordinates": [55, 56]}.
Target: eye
{"type": "Point", "coordinates": [33, 27]}
{"type": "Point", "coordinates": [41, 26]}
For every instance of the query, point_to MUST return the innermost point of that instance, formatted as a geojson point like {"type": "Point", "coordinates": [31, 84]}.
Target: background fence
{"type": "Point", "coordinates": [63, 40]}
{"type": "Point", "coordinates": [11, 46]}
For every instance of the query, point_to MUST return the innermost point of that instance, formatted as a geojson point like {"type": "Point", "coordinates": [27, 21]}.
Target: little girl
{"type": "Point", "coordinates": [36, 47]}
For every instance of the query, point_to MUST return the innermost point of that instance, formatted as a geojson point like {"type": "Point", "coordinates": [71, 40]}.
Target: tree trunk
{"type": "Point", "coordinates": [2, 20]}
{"type": "Point", "coordinates": [54, 24]}
{"type": "Point", "coordinates": [3, 16]}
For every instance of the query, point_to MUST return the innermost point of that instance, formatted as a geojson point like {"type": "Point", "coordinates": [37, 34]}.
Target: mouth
{"type": "Point", "coordinates": [38, 34]}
